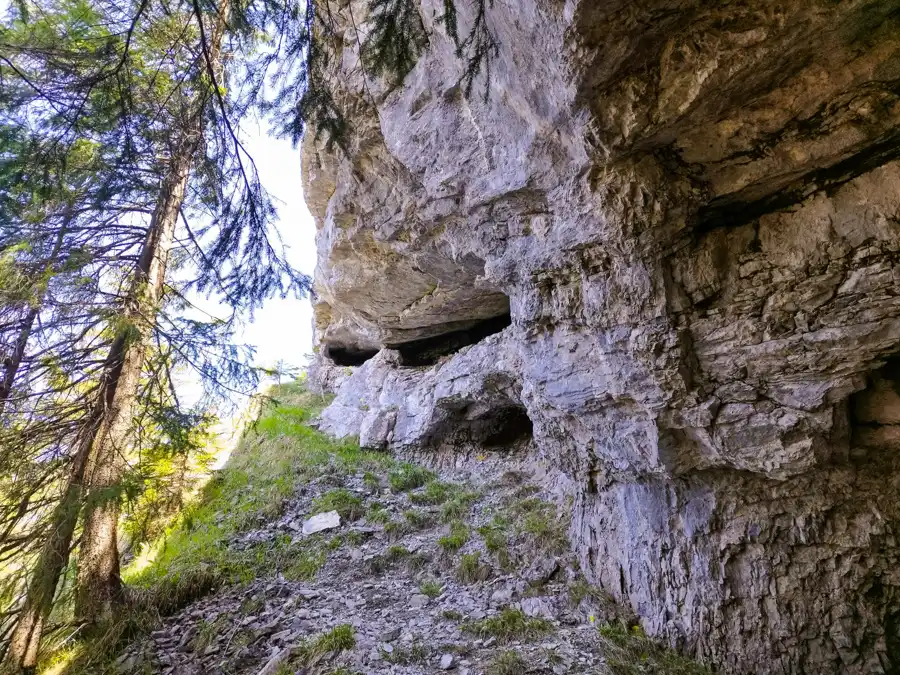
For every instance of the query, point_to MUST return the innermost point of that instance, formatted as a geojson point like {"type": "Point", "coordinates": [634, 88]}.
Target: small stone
{"type": "Point", "coordinates": [418, 601]}
{"type": "Point", "coordinates": [502, 596]}
{"type": "Point", "coordinates": [447, 661]}
{"type": "Point", "coordinates": [322, 521]}
{"type": "Point", "coordinates": [390, 635]}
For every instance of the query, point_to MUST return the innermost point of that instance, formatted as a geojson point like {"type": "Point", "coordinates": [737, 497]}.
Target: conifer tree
{"type": "Point", "coordinates": [153, 94]}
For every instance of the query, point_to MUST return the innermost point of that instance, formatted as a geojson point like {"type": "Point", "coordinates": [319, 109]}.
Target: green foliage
{"type": "Point", "coordinates": [416, 654]}
{"type": "Point", "coordinates": [431, 587]}
{"type": "Point", "coordinates": [273, 458]}
{"type": "Point", "coordinates": [510, 624]}
{"type": "Point", "coordinates": [435, 492]}
{"type": "Point", "coordinates": [396, 39]}
{"type": "Point", "coordinates": [456, 539]}
{"type": "Point", "coordinates": [471, 570]}
{"type": "Point", "coordinates": [406, 477]}
{"type": "Point", "coordinates": [304, 566]}
{"type": "Point", "coordinates": [507, 663]}
{"type": "Point", "coordinates": [628, 651]}
{"type": "Point", "coordinates": [537, 520]}
{"type": "Point", "coordinates": [418, 519]}
{"type": "Point", "coordinates": [378, 514]}
{"type": "Point", "coordinates": [347, 504]}
{"type": "Point", "coordinates": [458, 506]}
{"type": "Point", "coordinates": [494, 539]}
{"type": "Point", "coordinates": [329, 644]}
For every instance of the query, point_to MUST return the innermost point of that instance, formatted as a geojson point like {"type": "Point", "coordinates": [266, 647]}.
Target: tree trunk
{"type": "Point", "coordinates": [98, 460]}
{"type": "Point", "coordinates": [98, 588]}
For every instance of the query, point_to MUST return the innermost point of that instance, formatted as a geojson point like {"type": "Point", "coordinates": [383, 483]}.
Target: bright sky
{"type": "Point", "coordinates": [282, 329]}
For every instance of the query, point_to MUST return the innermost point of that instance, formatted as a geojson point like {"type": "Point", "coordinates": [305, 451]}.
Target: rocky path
{"type": "Point", "coordinates": [424, 574]}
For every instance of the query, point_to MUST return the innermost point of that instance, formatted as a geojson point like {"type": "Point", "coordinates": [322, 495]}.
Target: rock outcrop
{"type": "Point", "coordinates": [659, 246]}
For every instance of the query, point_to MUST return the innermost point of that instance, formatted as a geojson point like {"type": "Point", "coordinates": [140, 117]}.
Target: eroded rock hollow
{"type": "Point", "coordinates": [657, 246]}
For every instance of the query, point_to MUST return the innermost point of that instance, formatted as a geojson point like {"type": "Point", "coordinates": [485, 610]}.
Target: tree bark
{"type": "Point", "coordinates": [98, 461]}
{"type": "Point", "coordinates": [98, 588]}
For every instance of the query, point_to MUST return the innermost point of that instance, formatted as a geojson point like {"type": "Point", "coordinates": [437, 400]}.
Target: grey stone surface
{"type": "Point", "coordinates": [692, 211]}
{"type": "Point", "coordinates": [322, 521]}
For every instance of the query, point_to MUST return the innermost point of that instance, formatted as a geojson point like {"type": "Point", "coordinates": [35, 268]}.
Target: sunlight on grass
{"type": "Point", "coordinates": [276, 454]}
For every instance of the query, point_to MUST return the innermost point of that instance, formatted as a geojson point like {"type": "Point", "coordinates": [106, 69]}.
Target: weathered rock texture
{"type": "Point", "coordinates": [691, 213]}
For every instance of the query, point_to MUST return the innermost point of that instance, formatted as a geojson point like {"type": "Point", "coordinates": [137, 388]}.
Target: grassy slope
{"type": "Point", "coordinates": [275, 457]}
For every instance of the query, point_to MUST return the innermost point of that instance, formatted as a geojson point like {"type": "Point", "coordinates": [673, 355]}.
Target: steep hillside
{"type": "Point", "coordinates": [421, 572]}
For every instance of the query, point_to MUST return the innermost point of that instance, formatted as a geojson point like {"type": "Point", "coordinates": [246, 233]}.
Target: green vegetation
{"type": "Point", "coordinates": [471, 569]}
{"type": "Point", "coordinates": [435, 492]}
{"type": "Point", "coordinates": [305, 566]}
{"type": "Point", "coordinates": [507, 663]}
{"type": "Point", "coordinates": [538, 520]}
{"type": "Point", "coordinates": [274, 457]}
{"type": "Point", "coordinates": [456, 539]}
{"type": "Point", "coordinates": [347, 504]}
{"type": "Point", "coordinates": [378, 514]}
{"type": "Point", "coordinates": [628, 651]}
{"type": "Point", "coordinates": [194, 556]}
{"type": "Point", "coordinates": [372, 481]}
{"type": "Point", "coordinates": [406, 477]}
{"type": "Point", "coordinates": [496, 542]}
{"type": "Point", "coordinates": [431, 587]}
{"type": "Point", "coordinates": [329, 644]}
{"type": "Point", "coordinates": [458, 506]}
{"type": "Point", "coordinates": [416, 654]}
{"type": "Point", "coordinates": [510, 624]}
{"type": "Point", "coordinates": [418, 519]}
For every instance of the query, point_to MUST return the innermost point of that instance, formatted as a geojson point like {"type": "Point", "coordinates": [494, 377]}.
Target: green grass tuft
{"type": "Point", "coordinates": [416, 654]}
{"type": "Point", "coordinates": [471, 569]}
{"type": "Point", "coordinates": [347, 504]}
{"type": "Point", "coordinates": [456, 539]}
{"type": "Point", "coordinates": [628, 651]}
{"type": "Point", "coordinates": [406, 477]}
{"type": "Point", "coordinates": [510, 624]}
{"type": "Point", "coordinates": [507, 663]}
{"type": "Point", "coordinates": [431, 587]}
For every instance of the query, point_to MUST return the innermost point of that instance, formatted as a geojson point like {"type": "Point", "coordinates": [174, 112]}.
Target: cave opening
{"type": "Point", "coordinates": [428, 351]}
{"type": "Point", "coordinates": [348, 356]}
{"type": "Point", "coordinates": [496, 429]}
{"type": "Point", "coordinates": [502, 428]}
{"type": "Point", "coordinates": [875, 410]}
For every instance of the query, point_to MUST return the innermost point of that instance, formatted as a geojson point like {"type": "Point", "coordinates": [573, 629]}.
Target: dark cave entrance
{"type": "Point", "coordinates": [348, 356]}
{"type": "Point", "coordinates": [427, 351]}
{"type": "Point", "coordinates": [501, 428]}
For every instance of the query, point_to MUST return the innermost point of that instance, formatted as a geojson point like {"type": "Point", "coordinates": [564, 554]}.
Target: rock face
{"type": "Point", "coordinates": [689, 215]}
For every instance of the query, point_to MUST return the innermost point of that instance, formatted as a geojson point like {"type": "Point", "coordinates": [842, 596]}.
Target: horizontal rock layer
{"type": "Point", "coordinates": [689, 213]}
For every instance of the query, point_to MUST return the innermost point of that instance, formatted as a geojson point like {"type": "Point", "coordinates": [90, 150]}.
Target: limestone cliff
{"type": "Point", "coordinates": [671, 230]}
